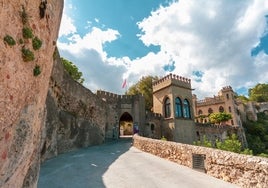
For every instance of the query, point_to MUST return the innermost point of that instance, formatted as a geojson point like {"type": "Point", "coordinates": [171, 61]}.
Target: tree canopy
{"type": "Point", "coordinates": [72, 69]}
{"type": "Point", "coordinates": [144, 87]}
{"type": "Point", "coordinates": [219, 117]}
{"type": "Point", "coordinates": [259, 93]}
{"type": "Point", "coordinates": [257, 134]}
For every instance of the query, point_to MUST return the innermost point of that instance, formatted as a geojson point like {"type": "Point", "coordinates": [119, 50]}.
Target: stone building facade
{"type": "Point", "coordinates": [172, 98]}
{"type": "Point", "coordinates": [225, 101]}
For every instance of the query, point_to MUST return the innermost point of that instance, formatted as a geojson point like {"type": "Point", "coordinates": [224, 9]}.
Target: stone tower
{"type": "Point", "coordinates": [172, 97]}
{"type": "Point", "coordinates": [227, 94]}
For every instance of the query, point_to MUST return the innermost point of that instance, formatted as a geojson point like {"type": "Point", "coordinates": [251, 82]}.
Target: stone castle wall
{"type": "Point", "coordinates": [23, 95]}
{"type": "Point", "coordinates": [243, 170]}
{"type": "Point", "coordinates": [76, 117]}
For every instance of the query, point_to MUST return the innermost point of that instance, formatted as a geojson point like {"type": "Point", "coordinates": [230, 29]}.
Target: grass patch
{"type": "Point", "coordinates": [37, 43]}
{"type": "Point", "coordinates": [36, 70]}
{"type": "Point", "coordinates": [9, 40]}
{"type": "Point", "coordinates": [24, 16]}
{"type": "Point", "coordinates": [27, 55]}
{"type": "Point", "coordinates": [27, 33]}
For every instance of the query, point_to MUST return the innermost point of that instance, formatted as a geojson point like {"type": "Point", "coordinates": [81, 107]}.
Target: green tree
{"type": "Point", "coordinates": [72, 70]}
{"type": "Point", "coordinates": [144, 87]}
{"type": "Point", "coordinates": [230, 144]}
{"type": "Point", "coordinates": [259, 93]}
{"type": "Point", "coordinates": [257, 134]}
{"type": "Point", "coordinates": [219, 117]}
{"type": "Point", "coordinates": [243, 98]}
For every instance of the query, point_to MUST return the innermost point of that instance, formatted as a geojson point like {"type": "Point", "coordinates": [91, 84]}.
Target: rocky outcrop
{"type": "Point", "coordinates": [27, 43]}
{"type": "Point", "coordinates": [243, 170]}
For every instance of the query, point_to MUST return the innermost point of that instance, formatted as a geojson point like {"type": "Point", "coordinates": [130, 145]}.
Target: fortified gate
{"type": "Point", "coordinates": [129, 113]}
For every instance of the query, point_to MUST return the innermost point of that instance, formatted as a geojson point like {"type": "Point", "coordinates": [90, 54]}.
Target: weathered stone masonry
{"type": "Point", "coordinates": [76, 117]}
{"type": "Point", "coordinates": [23, 95]}
{"type": "Point", "coordinates": [243, 170]}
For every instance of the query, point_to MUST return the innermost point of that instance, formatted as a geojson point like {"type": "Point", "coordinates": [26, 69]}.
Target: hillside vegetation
{"type": "Point", "coordinates": [257, 131]}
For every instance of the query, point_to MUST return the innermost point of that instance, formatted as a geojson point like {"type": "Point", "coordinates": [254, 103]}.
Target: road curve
{"type": "Point", "coordinates": [116, 164]}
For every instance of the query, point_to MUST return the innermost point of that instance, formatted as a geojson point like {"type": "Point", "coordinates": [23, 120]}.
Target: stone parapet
{"type": "Point", "coordinates": [112, 97]}
{"type": "Point", "coordinates": [243, 170]}
{"type": "Point", "coordinates": [172, 79]}
{"type": "Point", "coordinates": [210, 101]}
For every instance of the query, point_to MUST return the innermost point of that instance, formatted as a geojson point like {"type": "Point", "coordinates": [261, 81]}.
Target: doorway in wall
{"type": "Point", "coordinates": [125, 125]}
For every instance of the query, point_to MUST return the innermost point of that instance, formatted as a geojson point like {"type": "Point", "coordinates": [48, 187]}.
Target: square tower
{"type": "Point", "coordinates": [172, 97]}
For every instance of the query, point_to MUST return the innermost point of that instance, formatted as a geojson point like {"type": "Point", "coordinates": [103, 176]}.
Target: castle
{"type": "Point", "coordinates": [172, 115]}
{"type": "Point", "coordinates": [178, 115]}
{"type": "Point", "coordinates": [76, 117]}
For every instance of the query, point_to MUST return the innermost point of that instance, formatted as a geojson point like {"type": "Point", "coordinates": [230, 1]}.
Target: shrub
{"type": "Point", "coordinates": [37, 43]}
{"type": "Point", "coordinates": [24, 16]}
{"type": "Point", "coordinates": [247, 152]}
{"type": "Point", "coordinates": [9, 40]}
{"type": "Point", "coordinates": [263, 155]}
{"type": "Point", "coordinates": [27, 33]}
{"type": "Point", "coordinates": [27, 54]}
{"type": "Point", "coordinates": [21, 41]}
{"type": "Point", "coordinates": [204, 142]}
{"type": "Point", "coordinates": [230, 144]}
{"type": "Point", "coordinates": [36, 70]}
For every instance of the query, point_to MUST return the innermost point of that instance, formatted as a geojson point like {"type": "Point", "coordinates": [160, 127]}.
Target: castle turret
{"type": "Point", "coordinates": [172, 97]}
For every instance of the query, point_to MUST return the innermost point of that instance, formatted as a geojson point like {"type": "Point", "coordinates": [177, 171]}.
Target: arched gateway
{"type": "Point", "coordinates": [126, 125]}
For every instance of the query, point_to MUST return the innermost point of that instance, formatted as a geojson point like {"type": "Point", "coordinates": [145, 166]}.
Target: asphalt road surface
{"type": "Point", "coordinates": [116, 164]}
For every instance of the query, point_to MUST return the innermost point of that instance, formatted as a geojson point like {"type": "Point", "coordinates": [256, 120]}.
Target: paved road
{"type": "Point", "coordinates": [118, 165]}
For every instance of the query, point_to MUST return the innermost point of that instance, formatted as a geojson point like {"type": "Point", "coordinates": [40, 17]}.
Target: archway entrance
{"type": "Point", "coordinates": [125, 125]}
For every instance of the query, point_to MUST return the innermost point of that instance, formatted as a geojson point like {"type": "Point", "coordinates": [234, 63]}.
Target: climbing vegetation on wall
{"type": "Point", "coordinates": [27, 36]}
{"type": "Point", "coordinates": [9, 40]}
{"type": "Point", "coordinates": [73, 70]}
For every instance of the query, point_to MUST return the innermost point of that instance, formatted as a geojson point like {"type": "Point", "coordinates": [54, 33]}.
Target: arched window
{"type": "Point", "coordinates": [210, 111]}
{"type": "Point", "coordinates": [152, 128]}
{"type": "Point", "coordinates": [230, 109]}
{"type": "Point", "coordinates": [186, 109]}
{"type": "Point", "coordinates": [200, 112]}
{"type": "Point", "coordinates": [178, 107]}
{"type": "Point", "coordinates": [221, 109]}
{"type": "Point", "coordinates": [167, 108]}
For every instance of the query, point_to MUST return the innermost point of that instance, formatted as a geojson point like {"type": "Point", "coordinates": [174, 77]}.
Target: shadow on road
{"type": "Point", "coordinates": [83, 167]}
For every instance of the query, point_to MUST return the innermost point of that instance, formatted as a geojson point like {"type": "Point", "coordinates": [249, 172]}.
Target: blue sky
{"type": "Point", "coordinates": [214, 43]}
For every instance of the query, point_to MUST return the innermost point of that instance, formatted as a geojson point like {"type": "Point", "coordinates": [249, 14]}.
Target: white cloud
{"type": "Point", "coordinates": [67, 23]}
{"type": "Point", "coordinates": [67, 26]}
{"type": "Point", "coordinates": [92, 40]}
{"type": "Point", "coordinates": [214, 37]}
{"type": "Point", "coordinates": [88, 54]}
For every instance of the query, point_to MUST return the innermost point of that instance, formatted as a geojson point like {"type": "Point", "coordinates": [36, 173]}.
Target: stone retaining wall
{"type": "Point", "coordinates": [243, 170]}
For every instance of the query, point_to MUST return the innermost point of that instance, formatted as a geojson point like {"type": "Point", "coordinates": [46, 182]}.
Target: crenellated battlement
{"type": "Point", "coordinates": [108, 96]}
{"type": "Point", "coordinates": [227, 88]}
{"type": "Point", "coordinates": [210, 101]}
{"type": "Point", "coordinates": [172, 79]}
